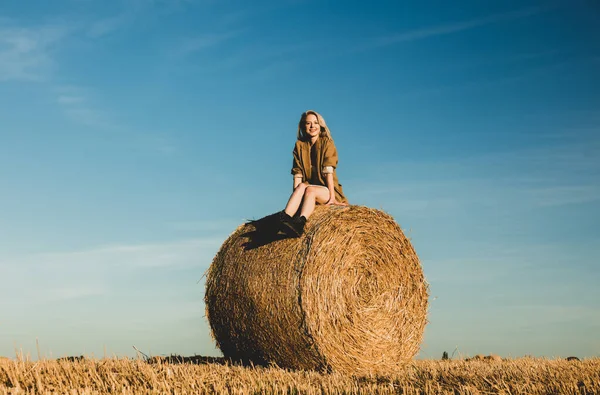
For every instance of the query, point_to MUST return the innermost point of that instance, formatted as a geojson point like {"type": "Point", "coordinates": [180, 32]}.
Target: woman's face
{"type": "Point", "coordinates": [312, 127]}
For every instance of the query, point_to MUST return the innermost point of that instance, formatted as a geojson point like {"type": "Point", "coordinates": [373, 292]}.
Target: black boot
{"type": "Point", "coordinates": [300, 223]}
{"type": "Point", "coordinates": [285, 223]}
{"type": "Point", "coordinates": [295, 227]}
{"type": "Point", "coordinates": [284, 217]}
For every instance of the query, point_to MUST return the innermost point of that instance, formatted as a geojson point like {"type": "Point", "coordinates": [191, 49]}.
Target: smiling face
{"type": "Point", "coordinates": [312, 127]}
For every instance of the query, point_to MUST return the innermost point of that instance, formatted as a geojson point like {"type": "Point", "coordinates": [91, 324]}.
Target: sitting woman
{"type": "Point", "coordinates": [315, 179]}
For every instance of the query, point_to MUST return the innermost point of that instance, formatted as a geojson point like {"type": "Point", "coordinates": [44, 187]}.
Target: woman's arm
{"type": "Point", "coordinates": [297, 172]}
{"type": "Point", "coordinates": [297, 180]}
{"type": "Point", "coordinates": [329, 185]}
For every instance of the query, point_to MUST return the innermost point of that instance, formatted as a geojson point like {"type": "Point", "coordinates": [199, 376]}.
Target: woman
{"type": "Point", "coordinates": [314, 172]}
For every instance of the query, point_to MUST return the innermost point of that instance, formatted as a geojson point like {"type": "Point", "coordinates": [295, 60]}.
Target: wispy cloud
{"type": "Point", "coordinates": [159, 142]}
{"type": "Point", "coordinates": [564, 195]}
{"type": "Point", "coordinates": [178, 253]}
{"type": "Point", "coordinates": [483, 60]}
{"type": "Point", "coordinates": [530, 74]}
{"type": "Point", "coordinates": [109, 25]}
{"type": "Point", "coordinates": [26, 53]}
{"type": "Point", "coordinates": [140, 286]}
{"type": "Point", "coordinates": [195, 44]}
{"type": "Point", "coordinates": [88, 117]}
{"type": "Point", "coordinates": [90, 272]}
{"type": "Point", "coordinates": [75, 104]}
{"type": "Point", "coordinates": [75, 292]}
{"type": "Point", "coordinates": [224, 226]}
{"type": "Point", "coordinates": [260, 61]}
{"type": "Point", "coordinates": [441, 30]}
{"type": "Point", "coordinates": [562, 171]}
{"type": "Point", "coordinates": [543, 315]}
{"type": "Point", "coordinates": [66, 100]}
{"type": "Point", "coordinates": [78, 105]}
{"type": "Point", "coordinates": [30, 54]}
{"type": "Point", "coordinates": [490, 262]}
{"type": "Point", "coordinates": [132, 11]}
{"type": "Point", "coordinates": [487, 266]}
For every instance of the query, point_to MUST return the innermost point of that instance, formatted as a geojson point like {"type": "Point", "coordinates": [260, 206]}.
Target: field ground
{"type": "Point", "coordinates": [212, 375]}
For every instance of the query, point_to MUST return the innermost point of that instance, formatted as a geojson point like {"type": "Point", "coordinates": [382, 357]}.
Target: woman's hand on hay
{"type": "Point", "coordinates": [334, 202]}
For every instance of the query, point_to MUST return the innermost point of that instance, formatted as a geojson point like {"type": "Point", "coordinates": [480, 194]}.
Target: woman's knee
{"type": "Point", "coordinates": [301, 188]}
{"type": "Point", "coordinates": [311, 192]}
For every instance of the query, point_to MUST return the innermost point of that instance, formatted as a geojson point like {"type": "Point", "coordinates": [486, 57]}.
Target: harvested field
{"type": "Point", "coordinates": [124, 376]}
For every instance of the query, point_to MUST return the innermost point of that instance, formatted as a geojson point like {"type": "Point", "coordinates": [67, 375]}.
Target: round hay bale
{"type": "Point", "coordinates": [348, 296]}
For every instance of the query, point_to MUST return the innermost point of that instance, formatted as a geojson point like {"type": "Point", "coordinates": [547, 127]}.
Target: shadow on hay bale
{"type": "Point", "coordinates": [262, 232]}
{"type": "Point", "coordinates": [348, 296]}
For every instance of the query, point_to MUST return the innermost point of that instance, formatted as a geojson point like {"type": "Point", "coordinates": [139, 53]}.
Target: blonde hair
{"type": "Point", "coordinates": [302, 126]}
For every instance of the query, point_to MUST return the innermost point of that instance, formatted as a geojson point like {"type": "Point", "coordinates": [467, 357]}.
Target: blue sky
{"type": "Point", "coordinates": [137, 134]}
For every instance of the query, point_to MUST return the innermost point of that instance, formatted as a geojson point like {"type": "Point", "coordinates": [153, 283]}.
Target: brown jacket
{"type": "Point", "coordinates": [326, 155]}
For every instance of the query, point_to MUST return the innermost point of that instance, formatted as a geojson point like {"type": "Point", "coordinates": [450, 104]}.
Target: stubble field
{"type": "Point", "coordinates": [211, 375]}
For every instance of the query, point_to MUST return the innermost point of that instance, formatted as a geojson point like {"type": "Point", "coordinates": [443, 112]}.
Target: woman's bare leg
{"type": "Point", "coordinates": [312, 196]}
{"type": "Point", "coordinates": [294, 202]}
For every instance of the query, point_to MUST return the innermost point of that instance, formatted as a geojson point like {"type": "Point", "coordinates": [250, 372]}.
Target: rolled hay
{"type": "Point", "coordinates": [348, 296]}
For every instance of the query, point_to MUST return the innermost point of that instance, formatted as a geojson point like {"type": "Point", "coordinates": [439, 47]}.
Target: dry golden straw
{"type": "Point", "coordinates": [421, 377]}
{"type": "Point", "coordinates": [348, 296]}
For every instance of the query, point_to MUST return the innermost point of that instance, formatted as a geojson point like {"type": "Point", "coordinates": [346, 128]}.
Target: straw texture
{"type": "Point", "coordinates": [348, 296]}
